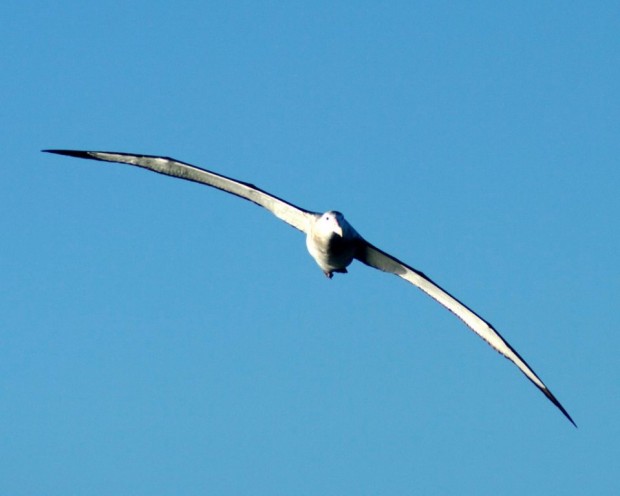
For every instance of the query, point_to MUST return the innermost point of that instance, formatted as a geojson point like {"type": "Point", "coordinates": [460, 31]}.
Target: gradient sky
{"type": "Point", "coordinates": [158, 337]}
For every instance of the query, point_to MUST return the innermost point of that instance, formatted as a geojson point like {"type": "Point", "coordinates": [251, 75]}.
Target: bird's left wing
{"type": "Point", "coordinates": [289, 213]}
{"type": "Point", "coordinates": [374, 257]}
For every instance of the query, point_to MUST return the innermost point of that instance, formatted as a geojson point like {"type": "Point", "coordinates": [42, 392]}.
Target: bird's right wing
{"type": "Point", "coordinates": [295, 216]}
{"type": "Point", "coordinates": [374, 257]}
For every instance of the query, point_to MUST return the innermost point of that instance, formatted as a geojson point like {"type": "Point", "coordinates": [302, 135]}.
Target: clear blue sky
{"type": "Point", "coordinates": [158, 337]}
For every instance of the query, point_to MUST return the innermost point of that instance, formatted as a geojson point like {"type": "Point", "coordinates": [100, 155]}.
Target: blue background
{"type": "Point", "coordinates": [159, 338]}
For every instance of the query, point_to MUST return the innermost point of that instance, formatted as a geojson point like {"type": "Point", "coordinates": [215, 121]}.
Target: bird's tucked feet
{"type": "Point", "coordinates": [330, 273]}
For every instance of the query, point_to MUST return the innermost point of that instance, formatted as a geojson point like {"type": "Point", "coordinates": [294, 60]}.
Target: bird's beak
{"type": "Point", "coordinates": [338, 230]}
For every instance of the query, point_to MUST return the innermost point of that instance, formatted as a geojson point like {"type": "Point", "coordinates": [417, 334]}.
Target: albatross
{"type": "Point", "coordinates": [331, 241]}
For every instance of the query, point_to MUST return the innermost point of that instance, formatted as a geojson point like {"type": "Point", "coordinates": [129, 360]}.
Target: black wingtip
{"type": "Point", "coordinates": [70, 153]}
{"type": "Point", "coordinates": [553, 400]}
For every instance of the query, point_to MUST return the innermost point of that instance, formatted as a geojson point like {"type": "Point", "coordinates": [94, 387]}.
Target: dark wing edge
{"type": "Point", "coordinates": [378, 259]}
{"type": "Point", "coordinates": [289, 213]}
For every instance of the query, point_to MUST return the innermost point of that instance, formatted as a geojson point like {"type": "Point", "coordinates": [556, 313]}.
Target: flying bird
{"type": "Point", "coordinates": [331, 241]}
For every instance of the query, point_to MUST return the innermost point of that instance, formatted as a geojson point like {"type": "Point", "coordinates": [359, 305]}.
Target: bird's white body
{"type": "Point", "coordinates": [332, 242]}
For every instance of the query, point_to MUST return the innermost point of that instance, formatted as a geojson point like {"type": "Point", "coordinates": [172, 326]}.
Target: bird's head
{"type": "Point", "coordinates": [332, 223]}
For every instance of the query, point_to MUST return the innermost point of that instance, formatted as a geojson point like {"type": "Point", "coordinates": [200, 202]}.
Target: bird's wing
{"type": "Point", "coordinates": [289, 213]}
{"type": "Point", "coordinates": [374, 257]}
